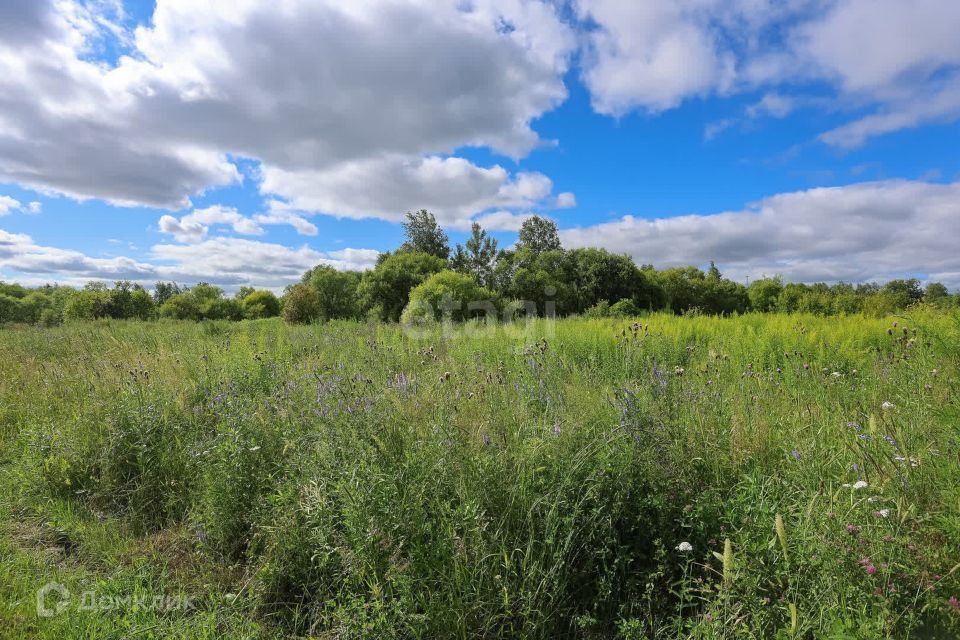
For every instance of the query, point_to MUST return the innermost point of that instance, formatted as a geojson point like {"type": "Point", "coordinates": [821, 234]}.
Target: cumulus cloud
{"type": "Point", "coordinates": [328, 84]}
{"type": "Point", "coordinates": [860, 232]}
{"type": "Point", "coordinates": [452, 188]}
{"type": "Point", "coordinates": [898, 60]}
{"type": "Point", "coordinates": [228, 262]}
{"type": "Point", "coordinates": [9, 205]}
{"type": "Point", "coordinates": [194, 226]}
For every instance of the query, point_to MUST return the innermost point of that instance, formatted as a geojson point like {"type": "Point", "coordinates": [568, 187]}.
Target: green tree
{"type": "Point", "coordinates": [163, 290]}
{"type": "Point", "coordinates": [602, 275]}
{"type": "Point", "coordinates": [904, 292]}
{"type": "Point", "coordinates": [181, 306]}
{"type": "Point", "coordinates": [301, 304]}
{"type": "Point", "coordinates": [478, 257]}
{"type": "Point", "coordinates": [764, 293]}
{"type": "Point", "coordinates": [449, 295]}
{"type": "Point", "coordinates": [539, 235]}
{"type": "Point", "coordinates": [385, 290]}
{"type": "Point", "coordinates": [337, 291]}
{"type": "Point", "coordinates": [260, 304]}
{"type": "Point", "coordinates": [424, 235]}
{"type": "Point", "coordinates": [9, 308]}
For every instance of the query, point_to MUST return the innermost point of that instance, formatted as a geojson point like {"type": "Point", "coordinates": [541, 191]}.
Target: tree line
{"type": "Point", "coordinates": [424, 278]}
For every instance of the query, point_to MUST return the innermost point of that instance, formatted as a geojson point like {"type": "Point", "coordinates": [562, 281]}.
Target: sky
{"type": "Point", "coordinates": [241, 142]}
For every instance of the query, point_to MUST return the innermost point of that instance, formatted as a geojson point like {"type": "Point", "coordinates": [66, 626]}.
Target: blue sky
{"type": "Point", "coordinates": [238, 144]}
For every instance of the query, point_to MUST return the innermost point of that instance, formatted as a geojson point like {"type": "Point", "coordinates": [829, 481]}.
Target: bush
{"type": "Point", "coordinates": [449, 295]}
{"type": "Point", "coordinates": [261, 304]}
{"type": "Point", "coordinates": [181, 306]}
{"type": "Point", "coordinates": [301, 304]}
{"type": "Point", "coordinates": [625, 308]}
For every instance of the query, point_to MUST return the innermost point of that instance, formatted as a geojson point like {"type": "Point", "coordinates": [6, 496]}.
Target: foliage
{"type": "Point", "coordinates": [478, 258]}
{"type": "Point", "coordinates": [301, 304]}
{"type": "Point", "coordinates": [260, 304]}
{"type": "Point", "coordinates": [538, 235]}
{"type": "Point", "coordinates": [337, 291]}
{"type": "Point", "coordinates": [424, 235]}
{"type": "Point", "coordinates": [387, 287]}
{"type": "Point", "coordinates": [448, 295]}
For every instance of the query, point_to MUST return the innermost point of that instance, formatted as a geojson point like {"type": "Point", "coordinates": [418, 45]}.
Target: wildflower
{"type": "Point", "coordinates": [865, 562]}
{"type": "Point", "coordinates": [859, 484]}
{"type": "Point", "coordinates": [836, 374]}
{"type": "Point", "coordinates": [795, 454]}
{"type": "Point", "coordinates": [870, 569]}
{"type": "Point", "coordinates": [887, 405]}
{"type": "Point", "coordinates": [806, 365]}
{"type": "Point", "coordinates": [684, 547]}
{"type": "Point", "coordinates": [486, 438]}
{"type": "Point", "coordinates": [881, 513]}
{"type": "Point", "coordinates": [556, 430]}
{"type": "Point", "coordinates": [678, 371]}
{"type": "Point", "coordinates": [853, 529]}
{"type": "Point", "coordinates": [953, 602]}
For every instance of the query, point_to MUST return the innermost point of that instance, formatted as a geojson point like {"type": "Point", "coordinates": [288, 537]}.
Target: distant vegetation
{"type": "Point", "coordinates": [592, 282]}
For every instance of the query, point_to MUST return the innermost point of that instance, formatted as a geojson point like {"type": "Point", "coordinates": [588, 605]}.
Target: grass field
{"type": "Point", "coordinates": [765, 476]}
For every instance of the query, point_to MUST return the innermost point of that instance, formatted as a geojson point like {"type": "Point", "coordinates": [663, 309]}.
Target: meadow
{"type": "Point", "coordinates": [757, 476]}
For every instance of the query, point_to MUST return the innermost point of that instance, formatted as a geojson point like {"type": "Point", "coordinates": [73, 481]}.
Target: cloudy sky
{"type": "Point", "coordinates": [243, 141]}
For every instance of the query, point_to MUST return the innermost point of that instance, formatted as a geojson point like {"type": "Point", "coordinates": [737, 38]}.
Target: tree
{"type": "Point", "coordinates": [9, 308]}
{"type": "Point", "coordinates": [260, 304]}
{"type": "Point", "coordinates": [904, 292]}
{"type": "Point", "coordinates": [539, 235]}
{"type": "Point", "coordinates": [601, 275]}
{"type": "Point", "coordinates": [384, 291]}
{"type": "Point", "coordinates": [764, 293]}
{"type": "Point", "coordinates": [301, 304]}
{"type": "Point", "coordinates": [448, 295]}
{"type": "Point", "coordinates": [181, 306]}
{"type": "Point", "coordinates": [478, 258]}
{"type": "Point", "coordinates": [937, 294]}
{"type": "Point", "coordinates": [163, 290]}
{"type": "Point", "coordinates": [337, 291]}
{"type": "Point", "coordinates": [243, 292]}
{"type": "Point", "coordinates": [425, 235]}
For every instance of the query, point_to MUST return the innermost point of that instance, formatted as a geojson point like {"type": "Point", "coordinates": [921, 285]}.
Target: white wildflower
{"type": "Point", "coordinates": [684, 547]}
{"type": "Point", "coordinates": [859, 484]}
{"type": "Point", "coordinates": [836, 374]}
{"type": "Point", "coordinates": [887, 405]}
{"type": "Point", "coordinates": [883, 513]}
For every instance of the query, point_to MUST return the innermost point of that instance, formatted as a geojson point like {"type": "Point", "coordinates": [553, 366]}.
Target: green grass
{"type": "Point", "coordinates": [350, 480]}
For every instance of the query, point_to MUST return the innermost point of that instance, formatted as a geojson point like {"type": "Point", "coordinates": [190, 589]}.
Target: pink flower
{"type": "Point", "coordinates": [871, 569]}
{"type": "Point", "coordinates": [853, 529]}
{"type": "Point", "coordinates": [864, 562]}
{"type": "Point", "coordinates": [953, 602]}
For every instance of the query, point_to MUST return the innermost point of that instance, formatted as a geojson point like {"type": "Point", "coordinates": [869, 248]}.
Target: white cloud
{"type": "Point", "coordinates": [229, 262]}
{"type": "Point", "coordinates": [651, 55]}
{"type": "Point", "coordinates": [327, 84]}
{"type": "Point", "coordinates": [899, 60]}
{"type": "Point", "coordinates": [8, 204]}
{"type": "Point", "coordinates": [194, 226]}
{"type": "Point", "coordinates": [454, 189]}
{"type": "Point", "coordinates": [860, 232]}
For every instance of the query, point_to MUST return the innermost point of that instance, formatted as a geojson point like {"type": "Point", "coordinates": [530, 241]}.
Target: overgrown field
{"type": "Point", "coordinates": [764, 476]}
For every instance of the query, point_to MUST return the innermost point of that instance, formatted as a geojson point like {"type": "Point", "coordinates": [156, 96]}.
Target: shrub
{"type": "Point", "coordinates": [261, 304]}
{"type": "Point", "coordinates": [181, 306]}
{"type": "Point", "coordinates": [449, 295]}
{"type": "Point", "coordinates": [301, 304]}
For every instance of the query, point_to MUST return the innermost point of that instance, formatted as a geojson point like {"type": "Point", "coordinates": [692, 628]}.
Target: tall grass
{"type": "Point", "coordinates": [351, 480]}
